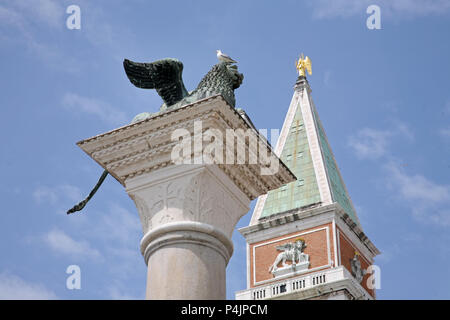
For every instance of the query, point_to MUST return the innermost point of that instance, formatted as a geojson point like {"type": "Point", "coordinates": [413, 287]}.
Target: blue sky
{"type": "Point", "coordinates": [383, 97]}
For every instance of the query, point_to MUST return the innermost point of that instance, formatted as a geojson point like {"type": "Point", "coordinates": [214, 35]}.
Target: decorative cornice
{"type": "Point", "coordinates": [328, 213]}
{"type": "Point", "coordinates": [145, 146]}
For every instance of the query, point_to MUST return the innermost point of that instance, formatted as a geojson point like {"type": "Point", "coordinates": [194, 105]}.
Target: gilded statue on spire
{"type": "Point", "coordinates": [303, 64]}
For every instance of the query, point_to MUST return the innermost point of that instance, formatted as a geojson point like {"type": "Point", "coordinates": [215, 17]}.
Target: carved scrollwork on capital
{"type": "Point", "coordinates": [198, 198]}
{"type": "Point", "coordinates": [142, 207]}
{"type": "Point", "coordinates": [207, 201]}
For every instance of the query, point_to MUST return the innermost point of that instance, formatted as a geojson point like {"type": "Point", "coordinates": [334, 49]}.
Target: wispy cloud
{"type": "Point", "coordinates": [90, 106]}
{"type": "Point", "coordinates": [370, 143]}
{"type": "Point", "coordinates": [114, 233]}
{"type": "Point", "coordinates": [50, 12]}
{"type": "Point", "coordinates": [390, 8]}
{"type": "Point", "coordinates": [417, 187]}
{"type": "Point", "coordinates": [119, 232]}
{"type": "Point", "coordinates": [25, 24]}
{"type": "Point", "coordinates": [56, 198]}
{"type": "Point", "coordinates": [25, 15]}
{"type": "Point", "coordinates": [445, 132]}
{"type": "Point", "coordinates": [53, 195]}
{"type": "Point", "coordinates": [402, 129]}
{"type": "Point", "coordinates": [62, 243]}
{"type": "Point", "coordinates": [13, 287]}
{"type": "Point", "coordinates": [429, 201]}
{"type": "Point", "coordinates": [39, 26]}
{"type": "Point", "coordinates": [105, 237]}
{"type": "Point", "coordinates": [10, 17]}
{"type": "Point", "coordinates": [119, 224]}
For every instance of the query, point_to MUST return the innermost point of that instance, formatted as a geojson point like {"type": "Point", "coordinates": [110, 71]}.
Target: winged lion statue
{"type": "Point", "coordinates": [165, 76]}
{"type": "Point", "coordinates": [292, 251]}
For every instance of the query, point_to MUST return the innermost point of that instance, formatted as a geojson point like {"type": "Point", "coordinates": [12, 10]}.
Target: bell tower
{"type": "Point", "coordinates": [304, 240]}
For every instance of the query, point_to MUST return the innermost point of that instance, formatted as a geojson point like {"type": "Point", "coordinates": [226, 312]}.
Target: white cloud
{"type": "Point", "coordinates": [59, 197]}
{"type": "Point", "coordinates": [429, 201]}
{"type": "Point", "coordinates": [60, 242]}
{"type": "Point", "coordinates": [9, 16]}
{"type": "Point", "coordinates": [120, 231]}
{"type": "Point", "coordinates": [389, 8]}
{"type": "Point", "coordinates": [53, 195]}
{"type": "Point", "coordinates": [117, 231]}
{"type": "Point", "coordinates": [120, 224]}
{"type": "Point", "coordinates": [403, 130]}
{"type": "Point", "coordinates": [28, 23]}
{"type": "Point", "coordinates": [445, 132]}
{"type": "Point", "coordinates": [23, 23]}
{"type": "Point", "coordinates": [370, 143]}
{"type": "Point", "coordinates": [90, 106]}
{"type": "Point", "coordinates": [45, 195]}
{"type": "Point", "coordinates": [50, 12]}
{"type": "Point", "coordinates": [13, 287]}
{"type": "Point", "coordinates": [26, 15]}
{"type": "Point", "coordinates": [417, 187]}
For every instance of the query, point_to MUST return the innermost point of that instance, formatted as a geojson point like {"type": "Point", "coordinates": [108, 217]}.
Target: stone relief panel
{"type": "Point", "coordinates": [165, 203]}
{"type": "Point", "coordinates": [160, 204]}
{"type": "Point", "coordinates": [291, 251]}
{"type": "Point", "coordinates": [267, 255]}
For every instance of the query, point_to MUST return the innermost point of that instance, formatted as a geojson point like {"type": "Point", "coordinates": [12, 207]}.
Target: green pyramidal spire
{"type": "Point", "coordinates": [304, 148]}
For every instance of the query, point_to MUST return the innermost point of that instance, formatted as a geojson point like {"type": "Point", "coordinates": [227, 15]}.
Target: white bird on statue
{"type": "Point", "coordinates": [224, 57]}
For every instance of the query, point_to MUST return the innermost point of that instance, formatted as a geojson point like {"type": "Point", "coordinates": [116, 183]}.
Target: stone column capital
{"type": "Point", "coordinates": [199, 198]}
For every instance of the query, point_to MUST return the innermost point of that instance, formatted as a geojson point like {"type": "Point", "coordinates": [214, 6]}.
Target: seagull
{"type": "Point", "coordinates": [224, 57]}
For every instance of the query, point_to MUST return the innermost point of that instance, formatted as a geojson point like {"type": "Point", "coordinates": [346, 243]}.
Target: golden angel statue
{"type": "Point", "coordinates": [303, 64]}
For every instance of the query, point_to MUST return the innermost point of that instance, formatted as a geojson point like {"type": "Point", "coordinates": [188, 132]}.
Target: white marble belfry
{"type": "Point", "coordinates": [188, 211]}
